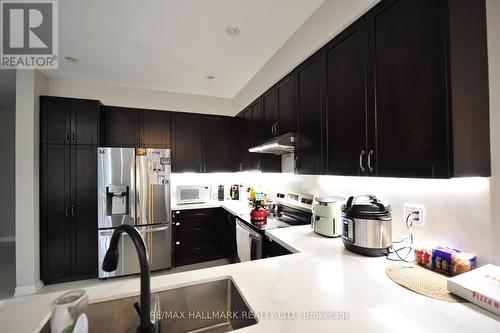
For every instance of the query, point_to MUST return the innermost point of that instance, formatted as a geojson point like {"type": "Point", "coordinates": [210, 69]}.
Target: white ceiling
{"type": "Point", "coordinates": [172, 45]}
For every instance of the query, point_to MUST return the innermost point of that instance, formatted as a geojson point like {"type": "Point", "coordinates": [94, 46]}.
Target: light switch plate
{"type": "Point", "coordinates": [418, 216]}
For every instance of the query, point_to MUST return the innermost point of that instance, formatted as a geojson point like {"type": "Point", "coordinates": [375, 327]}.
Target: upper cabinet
{"type": "Point", "coordinates": [345, 119]}
{"type": "Point", "coordinates": [200, 143]}
{"type": "Point", "coordinates": [69, 120]}
{"type": "Point", "coordinates": [286, 96]}
{"type": "Point", "coordinates": [308, 148]}
{"type": "Point", "coordinates": [427, 74]}
{"type": "Point", "coordinates": [216, 143]}
{"type": "Point", "coordinates": [279, 108]}
{"type": "Point", "coordinates": [187, 142]}
{"type": "Point", "coordinates": [121, 127]}
{"type": "Point", "coordinates": [129, 127]}
{"type": "Point", "coordinates": [155, 129]}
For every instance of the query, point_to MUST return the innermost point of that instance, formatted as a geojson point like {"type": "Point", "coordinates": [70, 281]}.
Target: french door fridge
{"type": "Point", "coordinates": [133, 188]}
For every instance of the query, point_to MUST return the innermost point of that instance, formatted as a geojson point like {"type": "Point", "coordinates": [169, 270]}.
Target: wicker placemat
{"type": "Point", "coordinates": [422, 281]}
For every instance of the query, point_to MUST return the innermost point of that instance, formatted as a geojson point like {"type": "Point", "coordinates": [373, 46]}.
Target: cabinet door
{"type": "Point", "coordinates": [55, 120]}
{"type": "Point", "coordinates": [155, 129]}
{"type": "Point", "coordinates": [411, 129]}
{"type": "Point", "coordinates": [187, 142]}
{"type": "Point", "coordinates": [256, 134]}
{"type": "Point", "coordinates": [84, 211]}
{"type": "Point", "coordinates": [227, 235]}
{"type": "Point", "coordinates": [121, 127]}
{"type": "Point", "coordinates": [286, 91]}
{"type": "Point", "coordinates": [55, 228]}
{"type": "Point", "coordinates": [84, 122]}
{"type": "Point", "coordinates": [269, 114]}
{"type": "Point", "coordinates": [308, 148]}
{"type": "Point", "coordinates": [216, 152]}
{"type": "Point", "coordinates": [346, 102]}
{"type": "Point", "coordinates": [247, 140]}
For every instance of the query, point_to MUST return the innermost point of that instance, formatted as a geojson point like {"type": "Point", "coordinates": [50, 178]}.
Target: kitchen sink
{"type": "Point", "coordinates": [215, 306]}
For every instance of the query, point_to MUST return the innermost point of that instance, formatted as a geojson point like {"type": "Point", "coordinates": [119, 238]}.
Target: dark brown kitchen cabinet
{"type": "Point", "coordinates": [246, 139]}
{"type": "Point", "coordinates": [286, 94]}
{"type": "Point", "coordinates": [129, 127]}
{"type": "Point", "coordinates": [121, 127]}
{"type": "Point", "coordinates": [187, 142]}
{"type": "Point", "coordinates": [227, 235]}
{"type": "Point", "coordinates": [216, 144]}
{"type": "Point", "coordinates": [279, 108]}
{"type": "Point", "coordinates": [69, 120]}
{"type": "Point", "coordinates": [269, 113]}
{"type": "Point", "coordinates": [201, 143]}
{"type": "Point", "coordinates": [308, 152]}
{"type": "Point", "coordinates": [68, 213]}
{"type": "Point", "coordinates": [255, 133]}
{"type": "Point", "coordinates": [428, 89]}
{"type": "Point", "coordinates": [346, 109]}
{"type": "Point", "coordinates": [195, 235]}
{"type": "Point", "coordinates": [155, 129]}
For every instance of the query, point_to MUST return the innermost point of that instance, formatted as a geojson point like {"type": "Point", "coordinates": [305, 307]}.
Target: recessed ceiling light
{"type": "Point", "coordinates": [71, 59]}
{"type": "Point", "coordinates": [210, 77]}
{"type": "Point", "coordinates": [232, 31]}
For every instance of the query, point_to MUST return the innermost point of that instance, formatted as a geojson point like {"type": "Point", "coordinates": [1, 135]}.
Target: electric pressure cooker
{"type": "Point", "coordinates": [367, 226]}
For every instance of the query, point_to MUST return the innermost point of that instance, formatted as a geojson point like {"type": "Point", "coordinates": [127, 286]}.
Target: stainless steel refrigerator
{"type": "Point", "coordinates": [134, 188]}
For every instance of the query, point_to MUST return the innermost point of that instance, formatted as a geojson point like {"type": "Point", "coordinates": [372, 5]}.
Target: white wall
{"type": "Point", "coordinates": [493, 18]}
{"type": "Point", "coordinates": [30, 84]}
{"type": "Point", "coordinates": [326, 22]}
{"type": "Point", "coordinates": [140, 98]}
{"type": "Point", "coordinates": [7, 147]}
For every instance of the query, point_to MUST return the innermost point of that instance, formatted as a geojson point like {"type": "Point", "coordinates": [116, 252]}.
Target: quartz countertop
{"type": "Point", "coordinates": [321, 278]}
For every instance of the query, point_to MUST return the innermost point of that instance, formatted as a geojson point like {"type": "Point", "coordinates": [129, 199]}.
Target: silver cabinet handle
{"type": "Point", "coordinates": [370, 160]}
{"type": "Point", "coordinates": [361, 161]}
{"type": "Point", "coordinates": [177, 243]}
{"type": "Point", "coordinates": [177, 224]}
{"type": "Point", "coordinates": [272, 129]}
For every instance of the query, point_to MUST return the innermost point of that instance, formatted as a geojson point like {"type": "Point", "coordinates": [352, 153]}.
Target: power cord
{"type": "Point", "coordinates": [409, 249]}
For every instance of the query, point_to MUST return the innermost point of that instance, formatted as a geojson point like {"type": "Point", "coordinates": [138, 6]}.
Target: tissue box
{"type": "Point", "coordinates": [445, 260]}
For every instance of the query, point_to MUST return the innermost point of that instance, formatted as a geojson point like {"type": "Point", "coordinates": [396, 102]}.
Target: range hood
{"type": "Point", "coordinates": [280, 145]}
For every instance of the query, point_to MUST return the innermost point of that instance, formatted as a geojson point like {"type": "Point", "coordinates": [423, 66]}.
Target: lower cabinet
{"type": "Point", "coordinates": [203, 234]}
{"type": "Point", "coordinates": [274, 249]}
{"type": "Point", "coordinates": [195, 235]}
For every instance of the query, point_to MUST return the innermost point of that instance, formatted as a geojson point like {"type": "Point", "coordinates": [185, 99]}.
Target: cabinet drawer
{"type": "Point", "coordinates": [195, 227]}
{"type": "Point", "coordinates": [194, 213]}
{"type": "Point", "coordinates": [189, 250]}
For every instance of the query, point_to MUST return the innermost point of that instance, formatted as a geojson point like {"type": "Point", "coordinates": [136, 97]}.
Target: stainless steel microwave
{"type": "Point", "coordinates": [186, 194]}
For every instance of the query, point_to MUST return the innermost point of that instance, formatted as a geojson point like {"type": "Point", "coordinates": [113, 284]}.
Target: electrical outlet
{"type": "Point", "coordinates": [417, 213]}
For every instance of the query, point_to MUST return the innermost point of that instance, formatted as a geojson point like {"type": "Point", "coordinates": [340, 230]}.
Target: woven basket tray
{"type": "Point", "coordinates": [422, 281]}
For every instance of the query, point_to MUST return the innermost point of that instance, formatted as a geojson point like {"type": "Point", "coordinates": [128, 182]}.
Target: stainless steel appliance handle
{"type": "Point", "coordinates": [361, 161]}
{"type": "Point", "coordinates": [106, 233]}
{"type": "Point", "coordinates": [156, 229]}
{"type": "Point", "coordinates": [250, 231]}
{"type": "Point", "coordinates": [370, 160]}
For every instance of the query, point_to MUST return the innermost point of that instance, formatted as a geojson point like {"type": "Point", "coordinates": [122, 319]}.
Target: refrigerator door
{"type": "Point", "coordinates": [158, 241]}
{"type": "Point", "coordinates": [152, 186]}
{"type": "Point", "coordinates": [158, 244]}
{"type": "Point", "coordinates": [115, 186]}
{"type": "Point", "coordinates": [127, 258]}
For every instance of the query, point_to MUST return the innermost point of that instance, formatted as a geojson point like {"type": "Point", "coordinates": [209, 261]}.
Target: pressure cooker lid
{"type": "Point", "coordinates": [366, 205]}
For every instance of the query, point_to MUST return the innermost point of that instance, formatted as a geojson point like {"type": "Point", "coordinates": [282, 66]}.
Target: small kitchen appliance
{"type": "Point", "coordinates": [258, 214]}
{"type": "Point", "coordinates": [234, 192]}
{"type": "Point", "coordinates": [367, 226]}
{"type": "Point", "coordinates": [327, 216]}
{"type": "Point", "coordinates": [187, 194]}
{"type": "Point", "coordinates": [220, 193]}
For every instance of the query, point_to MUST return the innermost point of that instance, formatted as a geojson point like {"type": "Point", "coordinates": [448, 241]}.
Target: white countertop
{"type": "Point", "coordinates": [323, 277]}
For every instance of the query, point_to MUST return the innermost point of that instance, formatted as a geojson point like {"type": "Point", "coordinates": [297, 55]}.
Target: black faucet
{"type": "Point", "coordinates": [111, 261]}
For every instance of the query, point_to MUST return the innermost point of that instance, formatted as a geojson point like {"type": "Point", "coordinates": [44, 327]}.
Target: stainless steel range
{"type": "Point", "coordinates": [134, 188]}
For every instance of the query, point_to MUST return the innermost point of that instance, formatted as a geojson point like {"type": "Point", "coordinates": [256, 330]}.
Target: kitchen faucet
{"type": "Point", "coordinates": [111, 261]}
